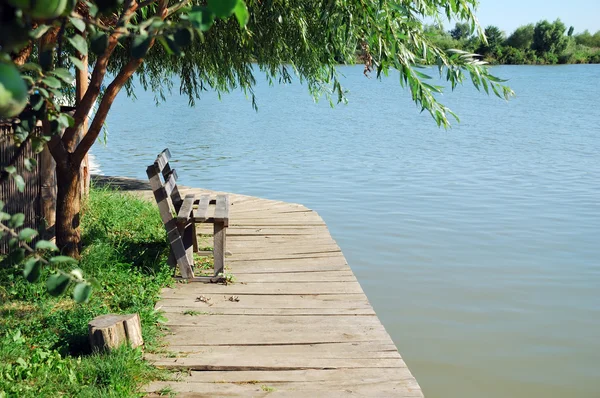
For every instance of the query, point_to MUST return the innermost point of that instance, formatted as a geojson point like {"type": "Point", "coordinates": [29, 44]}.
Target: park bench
{"type": "Point", "coordinates": [180, 217]}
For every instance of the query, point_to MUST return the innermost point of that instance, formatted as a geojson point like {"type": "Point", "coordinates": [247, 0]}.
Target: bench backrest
{"type": "Point", "coordinates": [169, 202]}
{"type": "Point", "coordinates": [161, 172]}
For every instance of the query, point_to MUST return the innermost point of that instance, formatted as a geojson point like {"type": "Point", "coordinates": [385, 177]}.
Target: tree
{"type": "Point", "coordinates": [549, 37]}
{"type": "Point", "coordinates": [522, 37]}
{"type": "Point", "coordinates": [461, 31]}
{"type": "Point", "coordinates": [495, 38]}
{"type": "Point", "coordinates": [207, 49]}
{"type": "Point", "coordinates": [587, 39]}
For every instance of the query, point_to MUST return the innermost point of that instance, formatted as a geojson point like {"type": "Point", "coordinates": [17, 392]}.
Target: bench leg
{"type": "Point", "coordinates": [219, 248]}
{"type": "Point", "coordinates": [195, 236]}
{"type": "Point", "coordinates": [188, 238]}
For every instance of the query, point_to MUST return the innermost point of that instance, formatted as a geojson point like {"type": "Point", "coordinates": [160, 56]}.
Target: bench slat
{"type": "Point", "coordinates": [163, 159]}
{"type": "Point", "coordinates": [170, 184]}
{"type": "Point", "coordinates": [171, 172]}
{"type": "Point", "coordinates": [186, 208]}
{"type": "Point", "coordinates": [201, 213]}
{"type": "Point", "coordinates": [222, 210]}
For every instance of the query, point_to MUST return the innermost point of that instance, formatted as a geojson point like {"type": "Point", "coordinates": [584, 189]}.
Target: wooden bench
{"type": "Point", "coordinates": [180, 217]}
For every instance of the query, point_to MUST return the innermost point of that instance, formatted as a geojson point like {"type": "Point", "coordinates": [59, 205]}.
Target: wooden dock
{"type": "Point", "coordinates": [295, 323]}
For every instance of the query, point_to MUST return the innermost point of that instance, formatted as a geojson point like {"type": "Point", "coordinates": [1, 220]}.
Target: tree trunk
{"type": "Point", "coordinates": [81, 86]}
{"type": "Point", "coordinates": [68, 236]}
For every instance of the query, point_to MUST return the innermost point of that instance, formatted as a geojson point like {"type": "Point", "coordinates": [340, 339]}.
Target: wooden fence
{"type": "Point", "coordinates": [27, 202]}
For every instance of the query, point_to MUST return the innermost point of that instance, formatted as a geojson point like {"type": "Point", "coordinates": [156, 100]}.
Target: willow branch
{"type": "Point", "coordinates": [91, 95]}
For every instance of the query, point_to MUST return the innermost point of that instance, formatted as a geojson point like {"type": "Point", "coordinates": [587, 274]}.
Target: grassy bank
{"type": "Point", "coordinates": [43, 340]}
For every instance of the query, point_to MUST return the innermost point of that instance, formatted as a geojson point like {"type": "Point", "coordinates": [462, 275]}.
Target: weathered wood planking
{"type": "Point", "coordinates": [296, 323]}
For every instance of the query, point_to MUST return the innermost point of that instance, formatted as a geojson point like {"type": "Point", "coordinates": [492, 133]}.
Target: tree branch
{"type": "Point", "coordinates": [91, 95]}
{"type": "Point", "coordinates": [109, 96]}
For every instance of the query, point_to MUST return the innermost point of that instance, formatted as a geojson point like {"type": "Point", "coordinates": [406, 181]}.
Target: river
{"type": "Point", "coordinates": [479, 247]}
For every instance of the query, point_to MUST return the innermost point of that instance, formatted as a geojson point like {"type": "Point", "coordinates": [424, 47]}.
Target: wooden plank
{"type": "Point", "coordinates": [307, 389]}
{"type": "Point", "coordinates": [222, 210]}
{"type": "Point", "coordinates": [241, 364]}
{"type": "Point", "coordinates": [266, 334]}
{"type": "Point", "coordinates": [174, 306]}
{"type": "Point", "coordinates": [306, 288]}
{"type": "Point", "coordinates": [295, 277]}
{"type": "Point", "coordinates": [186, 208]}
{"type": "Point", "coordinates": [285, 266]}
{"type": "Point", "coordinates": [283, 256]}
{"type": "Point", "coordinates": [216, 301]}
{"type": "Point", "coordinates": [339, 323]}
{"type": "Point", "coordinates": [375, 349]}
{"type": "Point", "coordinates": [201, 213]}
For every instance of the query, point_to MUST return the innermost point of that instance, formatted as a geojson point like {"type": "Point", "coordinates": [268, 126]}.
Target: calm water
{"type": "Point", "coordinates": [479, 247]}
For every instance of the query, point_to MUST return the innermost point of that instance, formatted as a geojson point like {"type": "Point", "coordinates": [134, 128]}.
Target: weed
{"type": "Point", "coordinates": [193, 313]}
{"type": "Point", "coordinates": [267, 388]}
{"type": "Point", "coordinates": [166, 391]}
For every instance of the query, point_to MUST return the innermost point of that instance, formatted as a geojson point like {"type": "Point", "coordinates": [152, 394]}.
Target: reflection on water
{"type": "Point", "coordinates": [477, 246]}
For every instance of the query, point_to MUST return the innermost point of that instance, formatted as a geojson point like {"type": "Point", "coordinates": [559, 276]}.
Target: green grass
{"type": "Point", "coordinates": [44, 349]}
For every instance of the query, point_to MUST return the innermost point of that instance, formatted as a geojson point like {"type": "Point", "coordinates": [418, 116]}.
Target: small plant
{"type": "Point", "coordinates": [166, 391]}
{"type": "Point", "coordinates": [229, 278]}
{"type": "Point", "coordinates": [267, 388]}
{"type": "Point", "coordinates": [193, 312]}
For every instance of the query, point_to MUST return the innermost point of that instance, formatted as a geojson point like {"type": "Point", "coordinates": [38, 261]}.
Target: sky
{"type": "Point", "coordinates": [510, 14]}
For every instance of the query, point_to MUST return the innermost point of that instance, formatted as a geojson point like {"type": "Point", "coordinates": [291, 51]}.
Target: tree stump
{"type": "Point", "coordinates": [107, 332]}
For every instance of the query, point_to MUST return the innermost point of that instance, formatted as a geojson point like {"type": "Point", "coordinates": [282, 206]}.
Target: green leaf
{"type": "Point", "coordinates": [77, 62]}
{"type": "Point", "coordinates": [39, 31]}
{"type": "Point", "coordinates": [63, 259]}
{"type": "Point", "coordinates": [77, 274]}
{"type": "Point", "coordinates": [19, 182]}
{"type": "Point", "coordinates": [17, 255]}
{"type": "Point", "coordinates": [222, 8]}
{"type": "Point", "coordinates": [183, 37]}
{"type": "Point", "coordinates": [37, 102]}
{"type": "Point", "coordinates": [10, 169]}
{"type": "Point", "coordinates": [51, 82]}
{"type": "Point", "coordinates": [98, 43]}
{"type": "Point", "coordinates": [78, 24]}
{"type": "Point", "coordinates": [165, 45]}
{"type": "Point", "coordinates": [33, 269]}
{"type": "Point", "coordinates": [17, 220]}
{"type": "Point", "coordinates": [140, 46]}
{"type": "Point", "coordinates": [57, 284]}
{"type": "Point", "coordinates": [43, 92]}
{"type": "Point", "coordinates": [82, 292]}
{"type": "Point", "coordinates": [241, 13]}
{"type": "Point", "coordinates": [201, 18]}
{"type": "Point", "coordinates": [31, 66]}
{"type": "Point", "coordinates": [173, 45]}
{"type": "Point", "coordinates": [30, 163]}
{"type": "Point", "coordinates": [64, 75]}
{"type": "Point", "coordinates": [66, 120]}
{"type": "Point", "coordinates": [79, 43]}
{"type": "Point", "coordinates": [27, 234]}
{"type": "Point", "coordinates": [45, 245]}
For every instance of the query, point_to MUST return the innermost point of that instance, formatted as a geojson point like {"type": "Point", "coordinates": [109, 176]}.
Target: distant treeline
{"type": "Point", "coordinates": [542, 43]}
